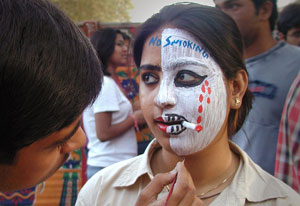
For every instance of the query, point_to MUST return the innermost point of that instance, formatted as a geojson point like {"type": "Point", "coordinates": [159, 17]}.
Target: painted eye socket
{"type": "Point", "coordinates": [186, 78]}
{"type": "Point", "coordinates": [149, 78]}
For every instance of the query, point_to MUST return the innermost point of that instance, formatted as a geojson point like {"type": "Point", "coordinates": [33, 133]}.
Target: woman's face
{"type": "Point", "coordinates": [119, 56]}
{"type": "Point", "coordinates": [181, 81]}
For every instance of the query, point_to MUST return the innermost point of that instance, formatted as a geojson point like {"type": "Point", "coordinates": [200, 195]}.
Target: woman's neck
{"type": "Point", "coordinates": [208, 168]}
{"type": "Point", "coordinates": [112, 70]}
{"type": "Point", "coordinates": [214, 165]}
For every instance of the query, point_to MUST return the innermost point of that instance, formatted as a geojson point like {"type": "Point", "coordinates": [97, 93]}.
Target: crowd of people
{"type": "Point", "coordinates": [218, 91]}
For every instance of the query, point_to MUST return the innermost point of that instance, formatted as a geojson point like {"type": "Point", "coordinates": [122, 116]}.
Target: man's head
{"type": "Point", "coordinates": [49, 73]}
{"type": "Point", "coordinates": [288, 24]}
{"type": "Point", "coordinates": [253, 17]}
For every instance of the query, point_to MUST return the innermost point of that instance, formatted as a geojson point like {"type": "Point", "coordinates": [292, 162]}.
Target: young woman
{"type": "Point", "coordinates": [194, 97]}
{"type": "Point", "coordinates": [109, 122]}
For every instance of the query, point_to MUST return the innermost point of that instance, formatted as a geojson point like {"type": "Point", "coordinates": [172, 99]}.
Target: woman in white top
{"type": "Point", "coordinates": [109, 122]}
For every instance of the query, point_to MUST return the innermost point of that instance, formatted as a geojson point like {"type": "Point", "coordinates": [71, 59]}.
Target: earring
{"type": "Point", "coordinates": [237, 101]}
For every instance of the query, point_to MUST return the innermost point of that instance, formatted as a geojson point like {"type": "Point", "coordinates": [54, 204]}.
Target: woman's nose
{"type": "Point", "coordinates": [166, 96]}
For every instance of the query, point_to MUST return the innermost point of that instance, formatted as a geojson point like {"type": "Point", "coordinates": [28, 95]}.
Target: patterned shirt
{"type": "Point", "coordinates": [287, 167]}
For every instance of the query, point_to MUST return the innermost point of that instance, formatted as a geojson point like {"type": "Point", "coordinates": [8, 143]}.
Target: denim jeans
{"type": "Point", "coordinates": [91, 170]}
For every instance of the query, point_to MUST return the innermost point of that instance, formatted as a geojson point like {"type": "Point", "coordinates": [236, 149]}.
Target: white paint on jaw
{"type": "Point", "coordinates": [204, 104]}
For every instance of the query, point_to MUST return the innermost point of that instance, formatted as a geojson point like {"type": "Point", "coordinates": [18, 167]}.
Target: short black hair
{"type": "Point", "coordinates": [217, 32]}
{"type": "Point", "coordinates": [49, 72]}
{"type": "Point", "coordinates": [274, 14]}
{"type": "Point", "coordinates": [289, 18]}
{"type": "Point", "coordinates": [104, 41]}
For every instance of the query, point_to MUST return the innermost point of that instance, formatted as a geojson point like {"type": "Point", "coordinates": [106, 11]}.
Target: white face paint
{"type": "Point", "coordinates": [193, 83]}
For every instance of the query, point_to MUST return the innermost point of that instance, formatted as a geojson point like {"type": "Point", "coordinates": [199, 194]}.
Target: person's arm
{"type": "Point", "coordinates": [106, 131]}
{"type": "Point", "coordinates": [184, 192]}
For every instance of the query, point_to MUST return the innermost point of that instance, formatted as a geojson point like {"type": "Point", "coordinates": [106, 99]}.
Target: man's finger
{"type": "Point", "coordinates": [151, 191]}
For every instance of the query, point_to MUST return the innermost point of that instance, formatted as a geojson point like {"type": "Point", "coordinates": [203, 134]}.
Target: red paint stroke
{"type": "Point", "coordinates": [206, 82]}
{"type": "Point", "coordinates": [203, 88]}
{"type": "Point", "coordinates": [201, 98]}
{"type": "Point", "coordinates": [208, 100]}
{"type": "Point", "coordinates": [209, 90]}
{"type": "Point", "coordinates": [199, 120]}
{"type": "Point", "coordinates": [200, 109]}
{"type": "Point", "coordinates": [198, 128]}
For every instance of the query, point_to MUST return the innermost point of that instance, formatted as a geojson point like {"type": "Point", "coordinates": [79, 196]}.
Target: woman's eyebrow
{"type": "Point", "coordinates": [150, 67]}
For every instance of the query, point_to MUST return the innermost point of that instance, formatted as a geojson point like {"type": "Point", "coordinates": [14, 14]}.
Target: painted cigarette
{"type": "Point", "coordinates": [193, 126]}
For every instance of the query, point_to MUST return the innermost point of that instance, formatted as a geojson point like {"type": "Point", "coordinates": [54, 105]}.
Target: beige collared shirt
{"type": "Point", "coordinates": [121, 183]}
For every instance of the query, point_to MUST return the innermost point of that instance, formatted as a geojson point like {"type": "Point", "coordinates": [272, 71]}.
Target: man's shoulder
{"type": "Point", "coordinates": [291, 50]}
{"type": "Point", "coordinates": [280, 53]}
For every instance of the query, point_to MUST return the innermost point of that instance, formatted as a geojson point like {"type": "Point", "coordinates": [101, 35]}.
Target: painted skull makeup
{"type": "Point", "coordinates": [193, 83]}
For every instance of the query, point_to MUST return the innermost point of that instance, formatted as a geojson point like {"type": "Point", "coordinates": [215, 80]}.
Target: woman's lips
{"type": "Point", "coordinates": [159, 119]}
{"type": "Point", "coordinates": [162, 127]}
{"type": "Point", "coordinates": [169, 126]}
{"type": "Point", "coordinates": [160, 122]}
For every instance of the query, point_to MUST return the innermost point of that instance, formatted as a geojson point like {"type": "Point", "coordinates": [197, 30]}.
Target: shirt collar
{"type": "Point", "coordinates": [250, 182]}
{"type": "Point", "coordinates": [138, 168]}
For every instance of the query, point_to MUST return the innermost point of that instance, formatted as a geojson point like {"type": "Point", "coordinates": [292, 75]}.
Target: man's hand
{"type": "Point", "coordinates": [184, 192]}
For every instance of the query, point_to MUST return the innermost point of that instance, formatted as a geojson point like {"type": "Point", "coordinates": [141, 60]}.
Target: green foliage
{"type": "Point", "coordinates": [101, 10]}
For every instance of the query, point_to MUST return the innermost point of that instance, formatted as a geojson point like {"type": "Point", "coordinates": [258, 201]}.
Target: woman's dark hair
{"type": "Point", "coordinates": [49, 73]}
{"type": "Point", "coordinates": [216, 31]}
{"type": "Point", "coordinates": [289, 18]}
{"type": "Point", "coordinates": [104, 41]}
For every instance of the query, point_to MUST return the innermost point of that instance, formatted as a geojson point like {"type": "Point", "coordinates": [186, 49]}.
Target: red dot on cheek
{"type": "Point", "coordinates": [200, 109]}
{"type": "Point", "coordinates": [199, 120]}
{"type": "Point", "coordinates": [203, 88]}
{"type": "Point", "coordinates": [199, 128]}
{"type": "Point", "coordinates": [206, 82]}
{"type": "Point", "coordinates": [209, 90]}
{"type": "Point", "coordinates": [208, 100]}
{"type": "Point", "coordinates": [201, 98]}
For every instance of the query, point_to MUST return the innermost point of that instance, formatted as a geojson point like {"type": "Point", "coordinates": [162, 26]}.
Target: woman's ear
{"type": "Point", "coordinates": [237, 88]}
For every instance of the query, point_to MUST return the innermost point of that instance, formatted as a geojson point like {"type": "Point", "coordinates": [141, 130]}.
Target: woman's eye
{"type": "Point", "coordinates": [149, 78]}
{"type": "Point", "coordinates": [120, 43]}
{"type": "Point", "coordinates": [186, 78]}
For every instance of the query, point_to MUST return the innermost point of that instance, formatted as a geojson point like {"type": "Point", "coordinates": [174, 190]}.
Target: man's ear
{"type": "Point", "coordinates": [281, 36]}
{"type": "Point", "coordinates": [265, 11]}
{"type": "Point", "coordinates": [237, 88]}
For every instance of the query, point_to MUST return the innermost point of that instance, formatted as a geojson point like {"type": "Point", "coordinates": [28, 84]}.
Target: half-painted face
{"type": "Point", "coordinates": [191, 90]}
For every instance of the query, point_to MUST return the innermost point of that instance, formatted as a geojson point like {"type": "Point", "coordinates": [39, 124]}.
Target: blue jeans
{"type": "Point", "coordinates": [91, 170]}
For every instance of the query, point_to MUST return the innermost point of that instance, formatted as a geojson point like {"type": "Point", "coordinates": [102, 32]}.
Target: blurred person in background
{"type": "Point", "coordinates": [288, 24]}
{"type": "Point", "coordinates": [110, 122]}
{"type": "Point", "coordinates": [287, 167]}
{"type": "Point", "coordinates": [272, 67]}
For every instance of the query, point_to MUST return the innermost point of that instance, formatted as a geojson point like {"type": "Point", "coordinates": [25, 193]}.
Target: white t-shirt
{"type": "Point", "coordinates": [103, 154]}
